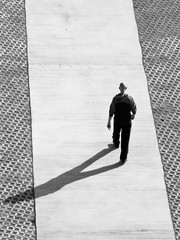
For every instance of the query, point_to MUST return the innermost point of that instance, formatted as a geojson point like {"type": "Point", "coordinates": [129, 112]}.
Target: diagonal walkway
{"type": "Point", "coordinates": [78, 54]}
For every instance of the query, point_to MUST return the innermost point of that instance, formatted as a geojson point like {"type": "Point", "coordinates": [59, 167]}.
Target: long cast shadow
{"type": "Point", "coordinates": [66, 178]}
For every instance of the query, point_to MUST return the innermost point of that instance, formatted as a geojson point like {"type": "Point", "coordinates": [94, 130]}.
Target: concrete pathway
{"type": "Point", "coordinates": [79, 52]}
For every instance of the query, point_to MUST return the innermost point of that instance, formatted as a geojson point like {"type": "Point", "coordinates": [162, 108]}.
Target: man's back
{"type": "Point", "coordinates": [121, 107]}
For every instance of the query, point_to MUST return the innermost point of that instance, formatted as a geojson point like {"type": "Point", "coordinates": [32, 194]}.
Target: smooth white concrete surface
{"type": "Point", "coordinates": [79, 52]}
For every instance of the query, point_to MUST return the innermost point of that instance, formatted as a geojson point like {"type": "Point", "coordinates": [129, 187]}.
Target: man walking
{"type": "Point", "coordinates": [123, 108]}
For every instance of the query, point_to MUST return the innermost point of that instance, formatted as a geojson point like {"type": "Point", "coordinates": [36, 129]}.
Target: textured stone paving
{"type": "Point", "coordinates": [17, 216]}
{"type": "Point", "coordinates": [159, 34]}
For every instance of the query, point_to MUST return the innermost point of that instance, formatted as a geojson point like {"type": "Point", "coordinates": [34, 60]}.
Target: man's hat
{"type": "Point", "coordinates": [122, 85]}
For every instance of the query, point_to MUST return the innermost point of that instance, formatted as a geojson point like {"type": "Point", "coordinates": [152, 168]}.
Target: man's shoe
{"type": "Point", "coordinates": [116, 145]}
{"type": "Point", "coordinates": [122, 161]}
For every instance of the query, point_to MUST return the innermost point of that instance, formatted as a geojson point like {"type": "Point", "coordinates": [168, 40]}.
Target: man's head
{"type": "Point", "coordinates": [122, 87]}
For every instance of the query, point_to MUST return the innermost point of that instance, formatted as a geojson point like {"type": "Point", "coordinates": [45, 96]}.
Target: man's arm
{"type": "Point", "coordinates": [109, 123]}
{"type": "Point", "coordinates": [111, 113]}
{"type": "Point", "coordinates": [133, 108]}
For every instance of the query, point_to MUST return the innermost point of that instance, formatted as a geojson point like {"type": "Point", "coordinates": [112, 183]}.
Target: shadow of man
{"type": "Point", "coordinates": [75, 174]}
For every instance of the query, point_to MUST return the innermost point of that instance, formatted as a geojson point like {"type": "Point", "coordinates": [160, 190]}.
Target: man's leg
{"type": "Point", "coordinates": [116, 134]}
{"type": "Point", "coordinates": [125, 135]}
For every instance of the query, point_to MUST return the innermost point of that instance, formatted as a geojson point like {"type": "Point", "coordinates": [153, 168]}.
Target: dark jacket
{"type": "Point", "coordinates": [121, 108]}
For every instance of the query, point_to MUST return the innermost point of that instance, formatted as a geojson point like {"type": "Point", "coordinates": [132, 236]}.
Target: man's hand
{"type": "Point", "coordinates": [109, 125]}
{"type": "Point", "coordinates": [132, 116]}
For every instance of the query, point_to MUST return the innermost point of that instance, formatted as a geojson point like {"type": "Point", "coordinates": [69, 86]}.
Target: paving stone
{"type": "Point", "coordinates": [158, 25]}
{"type": "Point", "coordinates": [15, 153]}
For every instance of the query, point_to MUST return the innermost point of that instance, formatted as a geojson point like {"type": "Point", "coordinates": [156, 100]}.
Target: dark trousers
{"type": "Point", "coordinates": [125, 135]}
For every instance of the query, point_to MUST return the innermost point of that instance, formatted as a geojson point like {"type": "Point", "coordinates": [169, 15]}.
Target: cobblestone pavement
{"type": "Point", "coordinates": [17, 218]}
{"type": "Point", "coordinates": [159, 35]}
{"type": "Point", "coordinates": [158, 25]}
